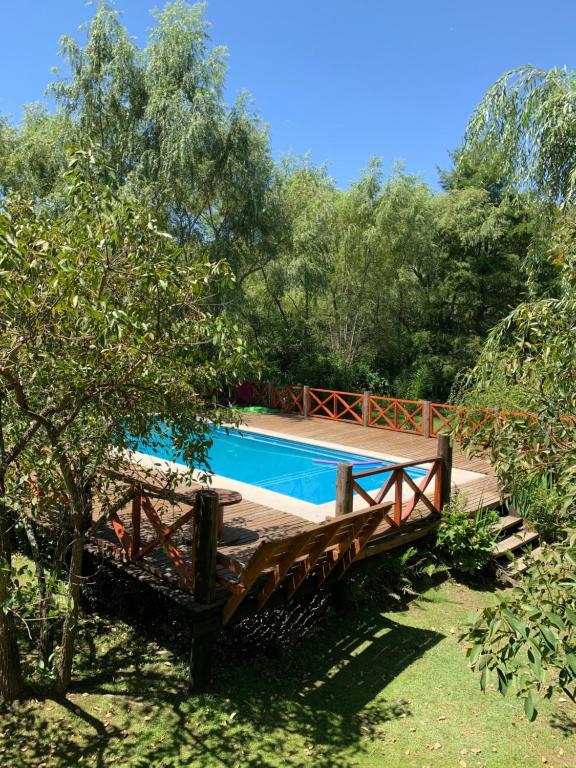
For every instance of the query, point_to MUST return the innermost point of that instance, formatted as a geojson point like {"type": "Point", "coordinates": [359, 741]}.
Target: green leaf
{"type": "Point", "coordinates": [530, 706]}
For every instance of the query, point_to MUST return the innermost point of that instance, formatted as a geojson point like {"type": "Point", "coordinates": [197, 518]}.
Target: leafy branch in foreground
{"type": "Point", "coordinates": [527, 641]}
{"type": "Point", "coordinates": [108, 328]}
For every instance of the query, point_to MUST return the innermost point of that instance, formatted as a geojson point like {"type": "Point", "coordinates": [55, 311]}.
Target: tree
{"type": "Point", "coordinates": [159, 113]}
{"type": "Point", "coordinates": [106, 330]}
{"type": "Point", "coordinates": [529, 361]}
{"type": "Point", "coordinates": [529, 117]}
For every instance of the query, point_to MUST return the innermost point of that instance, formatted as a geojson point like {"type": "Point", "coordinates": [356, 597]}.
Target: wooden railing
{"type": "Point", "coordinates": [396, 414]}
{"type": "Point", "coordinates": [330, 404]}
{"type": "Point", "coordinates": [396, 481]}
{"type": "Point", "coordinates": [321, 552]}
{"type": "Point", "coordinates": [417, 417]}
{"type": "Point", "coordinates": [140, 496]}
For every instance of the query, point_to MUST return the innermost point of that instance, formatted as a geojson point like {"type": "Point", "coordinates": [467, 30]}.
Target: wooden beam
{"type": "Point", "coordinates": [306, 401]}
{"type": "Point", "coordinates": [205, 630]}
{"type": "Point", "coordinates": [366, 409]}
{"type": "Point", "coordinates": [136, 515]}
{"type": "Point", "coordinates": [426, 418]}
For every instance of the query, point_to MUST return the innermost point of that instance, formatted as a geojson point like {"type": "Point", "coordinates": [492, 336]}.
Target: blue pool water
{"type": "Point", "coordinates": [284, 466]}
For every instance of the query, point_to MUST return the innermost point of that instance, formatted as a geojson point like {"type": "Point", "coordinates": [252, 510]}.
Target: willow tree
{"type": "Point", "coordinates": [160, 115]}
{"type": "Point", "coordinates": [529, 114]}
{"type": "Point", "coordinates": [527, 641]}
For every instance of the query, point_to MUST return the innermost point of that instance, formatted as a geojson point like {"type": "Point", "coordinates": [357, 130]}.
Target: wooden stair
{"type": "Point", "coordinates": [517, 544]}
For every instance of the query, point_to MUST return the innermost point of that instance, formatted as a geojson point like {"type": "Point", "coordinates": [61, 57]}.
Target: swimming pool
{"type": "Point", "coordinates": [300, 470]}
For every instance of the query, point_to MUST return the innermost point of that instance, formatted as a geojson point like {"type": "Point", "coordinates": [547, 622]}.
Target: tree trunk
{"type": "Point", "coordinates": [11, 681]}
{"type": "Point", "coordinates": [45, 637]}
{"type": "Point", "coordinates": [70, 628]}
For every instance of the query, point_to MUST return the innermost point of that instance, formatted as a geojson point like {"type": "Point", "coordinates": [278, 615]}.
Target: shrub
{"type": "Point", "coordinates": [466, 539]}
{"type": "Point", "coordinates": [542, 504]}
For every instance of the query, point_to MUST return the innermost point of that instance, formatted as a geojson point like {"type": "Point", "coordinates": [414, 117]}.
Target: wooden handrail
{"type": "Point", "coordinates": [391, 467]}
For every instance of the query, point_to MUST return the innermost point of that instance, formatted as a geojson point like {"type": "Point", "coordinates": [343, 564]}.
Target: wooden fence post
{"type": "Point", "coordinates": [344, 490]}
{"type": "Point", "coordinates": [366, 409]}
{"type": "Point", "coordinates": [445, 453]}
{"type": "Point", "coordinates": [426, 418]}
{"type": "Point", "coordinates": [306, 401]}
{"type": "Point", "coordinates": [206, 623]}
{"type": "Point", "coordinates": [269, 394]}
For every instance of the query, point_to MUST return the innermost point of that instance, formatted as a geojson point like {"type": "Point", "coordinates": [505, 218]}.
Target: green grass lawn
{"type": "Point", "coordinates": [369, 688]}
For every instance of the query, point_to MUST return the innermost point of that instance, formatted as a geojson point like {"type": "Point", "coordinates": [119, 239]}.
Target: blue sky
{"type": "Point", "coordinates": [342, 80]}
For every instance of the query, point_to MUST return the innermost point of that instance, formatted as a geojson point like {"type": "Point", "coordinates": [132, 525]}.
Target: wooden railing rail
{"type": "Point", "coordinates": [390, 467]}
{"type": "Point", "coordinates": [289, 399]}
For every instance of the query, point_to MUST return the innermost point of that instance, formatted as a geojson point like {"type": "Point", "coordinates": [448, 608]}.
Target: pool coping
{"type": "Point", "coordinates": [315, 513]}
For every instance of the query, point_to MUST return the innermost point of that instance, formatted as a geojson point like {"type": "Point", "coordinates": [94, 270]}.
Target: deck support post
{"type": "Point", "coordinates": [445, 453]}
{"type": "Point", "coordinates": [206, 624]}
{"type": "Point", "coordinates": [344, 490]}
{"type": "Point", "coordinates": [306, 401]}
{"type": "Point", "coordinates": [366, 408]}
{"type": "Point", "coordinates": [206, 627]}
{"type": "Point", "coordinates": [426, 418]}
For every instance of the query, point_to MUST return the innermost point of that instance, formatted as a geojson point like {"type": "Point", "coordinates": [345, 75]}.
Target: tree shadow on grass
{"type": "Point", "coordinates": [315, 706]}
{"type": "Point", "coordinates": [565, 723]}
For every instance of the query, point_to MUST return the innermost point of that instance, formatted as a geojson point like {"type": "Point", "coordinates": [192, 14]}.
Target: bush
{"type": "Point", "coordinates": [465, 539]}
{"type": "Point", "coordinates": [543, 505]}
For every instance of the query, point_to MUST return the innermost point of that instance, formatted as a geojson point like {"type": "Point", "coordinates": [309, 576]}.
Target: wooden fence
{"type": "Point", "coordinates": [417, 417]}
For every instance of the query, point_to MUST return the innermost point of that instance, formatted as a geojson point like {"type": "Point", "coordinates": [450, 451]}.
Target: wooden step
{"type": "Point", "coordinates": [510, 543]}
{"type": "Point", "coordinates": [508, 521]}
{"type": "Point", "coordinates": [526, 560]}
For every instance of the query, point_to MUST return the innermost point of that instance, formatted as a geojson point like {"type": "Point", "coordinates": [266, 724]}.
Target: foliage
{"type": "Point", "coordinates": [158, 112]}
{"type": "Point", "coordinates": [26, 597]}
{"type": "Point", "coordinates": [528, 116]}
{"type": "Point", "coordinates": [528, 640]}
{"type": "Point", "coordinates": [466, 539]}
{"type": "Point", "coordinates": [108, 327]}
{"type": "Point", "coordinates": [532, 351]}
{"type": "Point", "coordinates": [540, 502]}
{"type": "Point", "coordinates": [385, 285]}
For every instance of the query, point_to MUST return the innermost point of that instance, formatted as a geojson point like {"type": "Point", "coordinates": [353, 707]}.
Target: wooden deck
{"type": "Point", "coordinates": [170, 542]}
{"type": "Point", "coordinates": [249, 523]}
